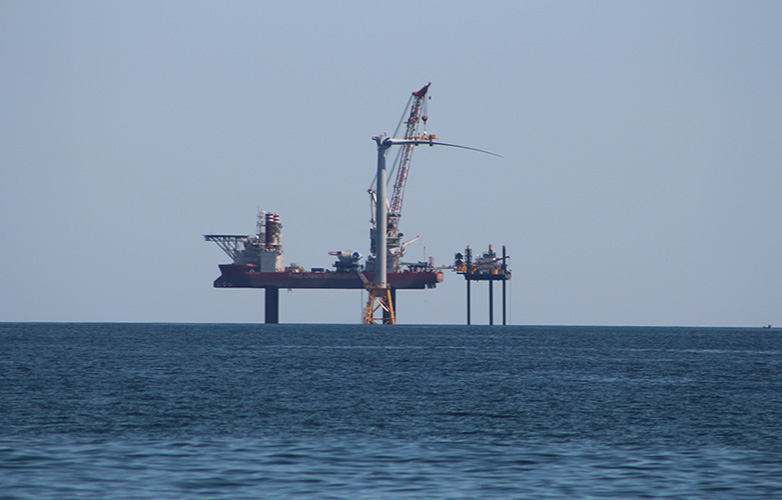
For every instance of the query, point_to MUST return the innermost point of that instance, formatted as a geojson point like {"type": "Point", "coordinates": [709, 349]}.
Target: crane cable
{"type": "Point", "coordinates": [425, 113]}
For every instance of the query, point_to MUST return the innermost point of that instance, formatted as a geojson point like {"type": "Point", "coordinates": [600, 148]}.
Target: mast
{"type": "Point", "coordinates": [395, 248]}
{"type": "Point", "coordinates": [411, 132]}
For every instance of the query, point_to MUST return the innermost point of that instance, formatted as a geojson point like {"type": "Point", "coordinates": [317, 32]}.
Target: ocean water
{"type": "Point", "coordinates": [165, 411]}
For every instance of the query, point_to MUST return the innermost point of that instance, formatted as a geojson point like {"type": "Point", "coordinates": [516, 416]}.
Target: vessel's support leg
{"type": "Point", "coordinates": [468, 301]}
{"type": "Point", "coordinates": [504, 280]}
{"type": "Point", "coordinates": [272, 305]}
{"type": "Point", "coordinates": [379, 299]}
{"type": "Point", "coordinates": [503, 302]}
{"type": "Point", "coordinates": [491, 302]}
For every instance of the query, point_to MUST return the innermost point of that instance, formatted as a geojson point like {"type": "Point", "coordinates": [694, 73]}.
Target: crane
{"type": "Point", "coordinates": [380, 295]}
{"type": "Point", "coordinates": [396, 249]}
{"type": "Point", "coordinates": [416, 116]}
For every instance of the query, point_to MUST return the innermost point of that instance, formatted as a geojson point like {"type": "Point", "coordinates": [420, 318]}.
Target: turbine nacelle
{"type": "Point", "coordinates": [383, 141]}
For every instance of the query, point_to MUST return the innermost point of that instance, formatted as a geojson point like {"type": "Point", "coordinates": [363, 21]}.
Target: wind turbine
{"type": "Point", "coordinates": [379, 293]}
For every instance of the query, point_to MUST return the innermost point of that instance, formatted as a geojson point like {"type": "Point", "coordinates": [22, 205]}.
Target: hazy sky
{"type": "Point", "coordinates": [641, 184]}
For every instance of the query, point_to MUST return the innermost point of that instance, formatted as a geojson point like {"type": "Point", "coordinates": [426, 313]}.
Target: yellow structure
{"type": "Point", "coordinates": [380, 302]}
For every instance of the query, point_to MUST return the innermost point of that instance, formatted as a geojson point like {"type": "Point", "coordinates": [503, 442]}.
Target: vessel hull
{"type": "Point", "coordinates": [245, 276]}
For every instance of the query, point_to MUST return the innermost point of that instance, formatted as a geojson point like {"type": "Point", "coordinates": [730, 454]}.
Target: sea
{"type": "Point", "coordinates": [253, 411]}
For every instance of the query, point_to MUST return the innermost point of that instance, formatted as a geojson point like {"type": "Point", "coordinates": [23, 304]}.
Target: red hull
{"type": "Point", "coordinates": [242, 276]}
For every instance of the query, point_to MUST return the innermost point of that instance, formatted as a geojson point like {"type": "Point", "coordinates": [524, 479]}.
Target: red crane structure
{"type": "Point", "coordinates": [386, 247]}
{"type": "Point", "coordinates": [416, 116]}
{"type": "Point", "coordinates": [396, 249]}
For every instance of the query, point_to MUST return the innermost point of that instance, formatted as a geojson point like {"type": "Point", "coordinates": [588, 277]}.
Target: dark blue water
{"type": "Point", "coordinates": [333, 411]}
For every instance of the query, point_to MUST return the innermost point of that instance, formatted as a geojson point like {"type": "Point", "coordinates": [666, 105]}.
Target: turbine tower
{"type": "Point", "coordinates": [379, 292]}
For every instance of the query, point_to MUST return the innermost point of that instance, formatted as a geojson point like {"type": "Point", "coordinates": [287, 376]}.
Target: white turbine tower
{"type": "Point", "coordinates": [379, 292]}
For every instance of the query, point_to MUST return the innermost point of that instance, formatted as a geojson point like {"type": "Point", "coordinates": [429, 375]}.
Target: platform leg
{"type": "Point", "coordinates": [503, 302]}
{"type": "Point", "coordinates": [468, 301]}
{"type": "Point", "coordinates": [272, 305]}
{"type": "Point", "coordinates": [491, 302]}
{"type": "Point", "coordinates": [504, 279]}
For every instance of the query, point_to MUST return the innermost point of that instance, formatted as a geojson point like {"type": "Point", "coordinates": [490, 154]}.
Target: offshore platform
{"type": "Point", "coordinates": [487, 267]}
{"type": "Point", "coordinates": [258, 259]}
{"type": "Point", "coordinates": [258, 262]}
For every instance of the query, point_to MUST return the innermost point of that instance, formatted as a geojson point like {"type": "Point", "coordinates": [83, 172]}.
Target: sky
{"type": "Point", "coordinates": [641, 181]}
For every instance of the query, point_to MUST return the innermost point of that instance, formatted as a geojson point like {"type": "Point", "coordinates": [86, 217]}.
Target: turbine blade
{"type": "Point", "coordinates": [437, 143]}
{"type": "Point", "coordinates": [463, 147]}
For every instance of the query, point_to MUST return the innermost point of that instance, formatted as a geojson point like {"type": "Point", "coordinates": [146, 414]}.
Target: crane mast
{"type": "Point", "coordinates": [416, 115]}
{"type": "Point", "coordinates": [395, 246]}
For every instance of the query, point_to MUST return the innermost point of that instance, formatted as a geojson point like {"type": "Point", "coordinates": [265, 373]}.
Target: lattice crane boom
{"type": "Point", "coordinates": [413, 121]}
